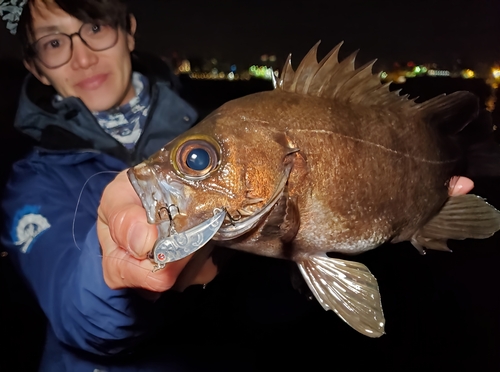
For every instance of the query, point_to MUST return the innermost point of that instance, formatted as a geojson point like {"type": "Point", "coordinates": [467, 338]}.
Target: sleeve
{"type": "Point", "coordinates": [49, 232]}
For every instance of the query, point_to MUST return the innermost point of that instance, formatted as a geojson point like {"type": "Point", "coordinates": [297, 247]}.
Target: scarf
{"type": "Point", "coordinates": [126, 123]}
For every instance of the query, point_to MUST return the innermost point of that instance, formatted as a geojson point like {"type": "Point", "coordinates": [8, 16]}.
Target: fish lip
{"type": "Point", "coordinates": [156, 195]}
{"type": "Point", "coordinates": [141, 188]}
{"type": "Point", "coordinates": [238, 229]}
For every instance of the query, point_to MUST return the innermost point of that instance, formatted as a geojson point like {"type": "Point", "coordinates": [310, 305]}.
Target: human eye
{"type": "Point", "coordinates": [95, 28]}
{"type": "Point", "coordinates": [52, 43]}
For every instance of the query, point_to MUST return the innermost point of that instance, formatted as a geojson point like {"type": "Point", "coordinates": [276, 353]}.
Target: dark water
{"type": "Point", "coordinates": [442, 309]}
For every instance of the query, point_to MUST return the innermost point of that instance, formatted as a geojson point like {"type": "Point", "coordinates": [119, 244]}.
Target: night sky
{"type": "Point", "coordinates": [390, 30]}
{"type": "Point", "coordinates": [239, 31]}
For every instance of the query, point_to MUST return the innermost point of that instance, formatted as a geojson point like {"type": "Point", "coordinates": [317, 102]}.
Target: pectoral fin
{"type": "Point", "coordinates": [349, 289]}
{"type": "Point", "coordinates": [462, 217]}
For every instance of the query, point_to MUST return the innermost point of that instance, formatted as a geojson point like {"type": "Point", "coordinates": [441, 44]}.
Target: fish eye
{"type": "Point", "coordinates": [197, 158]}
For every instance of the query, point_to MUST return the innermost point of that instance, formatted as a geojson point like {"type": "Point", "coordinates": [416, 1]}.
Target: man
{"type": "Point", "coordinates": [83, 257]}
{"type": "Point", "coordinates": [93, 117]}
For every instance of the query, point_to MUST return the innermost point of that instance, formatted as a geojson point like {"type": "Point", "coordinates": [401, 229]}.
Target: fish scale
{"type": "Point", "coordinates": [329, 161]}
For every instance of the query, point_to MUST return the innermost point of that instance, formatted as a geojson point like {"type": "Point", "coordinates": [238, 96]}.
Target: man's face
{"type": "Point", "coordinates": [102, 80]}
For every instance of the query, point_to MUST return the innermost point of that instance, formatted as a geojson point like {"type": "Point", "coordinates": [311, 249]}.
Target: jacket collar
{"type": "Point", "coordinates": [71, 126]}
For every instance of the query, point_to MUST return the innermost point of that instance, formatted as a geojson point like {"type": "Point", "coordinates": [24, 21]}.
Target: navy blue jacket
{"type": "Point", "coordinates": [49, 214]}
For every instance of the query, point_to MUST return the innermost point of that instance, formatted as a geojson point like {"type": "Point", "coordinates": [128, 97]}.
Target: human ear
{"type": "Point", "coordinates": [35, 70]}
{"type": "Point", "coordinates": [131, 34]}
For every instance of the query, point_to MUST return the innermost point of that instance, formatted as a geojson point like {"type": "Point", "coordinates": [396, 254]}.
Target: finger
{"type": "Point", "coordinates": [207, 273]}
{"type": "Point", "coordinates": [123, 191]}
{"type": "Point", "coordinates": [122, 270]}
{"type": "Point", "coordinates": [460, 186]}
{"type": "Point", "coordinates": [130, 230]}
{"type": "Point", "coordinates": [122, 211]}
{"type": "Point", "coordinates": [199, 270]}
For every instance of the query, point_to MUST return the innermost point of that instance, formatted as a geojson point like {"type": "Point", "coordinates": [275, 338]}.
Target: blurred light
{"type": "Point", "coordinates": [401, 79]}
{"type": "Point", "coordinates": [214, 61]}
{"type": "Point", "coordinates": [383, 75]}
{"type": "Point", "coordinates": [261, 72]}
{"type": "Point", "coordinates": [185, 66]}
{"type": "Point", "coordinates": [233, 68]}
{"type": "Point", "coordinates": [230, 76]}
{"type": "Point", "coordinates": [264, 57]}
{"type": "Point", "coordinates": [222, 75]}
{"type": "Point", "coordinates": [468, 74]}
{"type": "Point", "coordinates": [496, 73]}
{"type": "Point", "coordinates": [438, 73]}
{"type": "Point", "coordinates": [272, 58]}
{"type": "Point", "coordinates": [215, 71]}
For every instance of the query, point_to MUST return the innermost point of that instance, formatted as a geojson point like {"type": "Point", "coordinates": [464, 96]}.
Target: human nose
{"type": "Point", "coordinates": [83, 56]}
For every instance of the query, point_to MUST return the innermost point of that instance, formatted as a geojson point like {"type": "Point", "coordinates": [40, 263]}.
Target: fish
{"type": "Point", "coordinates": [329, 161]}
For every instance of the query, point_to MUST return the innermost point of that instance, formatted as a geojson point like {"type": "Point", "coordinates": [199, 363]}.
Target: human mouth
{"type": "Point", "coordinates": [93, 82]}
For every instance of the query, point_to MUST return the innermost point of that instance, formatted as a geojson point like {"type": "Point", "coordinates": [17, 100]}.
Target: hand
{"type": "Point", "coordinates": [460, 186]}
{"type": "Point", "coordinates": [126, 237]}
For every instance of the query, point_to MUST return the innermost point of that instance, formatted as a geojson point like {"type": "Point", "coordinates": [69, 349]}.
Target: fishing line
{"type": "Point", "coordinates": [74, 220]}
{"type": "Point", "coordinates": [78, 203]}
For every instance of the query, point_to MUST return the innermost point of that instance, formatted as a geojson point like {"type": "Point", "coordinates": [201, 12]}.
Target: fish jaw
{"type": "Point", "coordinates": [163, 202]}
{"type": "Point", "coordinates": [167, 201]}
{"type": "Point", "coordinates": [161, 198]}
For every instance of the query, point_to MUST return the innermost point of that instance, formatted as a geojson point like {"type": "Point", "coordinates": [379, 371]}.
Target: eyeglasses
{"type": "Point", "coordinates": [56, 50]}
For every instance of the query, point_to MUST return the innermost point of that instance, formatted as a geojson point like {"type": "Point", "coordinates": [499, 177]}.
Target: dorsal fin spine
{"type": "Point", "coordinates": [337, 80]}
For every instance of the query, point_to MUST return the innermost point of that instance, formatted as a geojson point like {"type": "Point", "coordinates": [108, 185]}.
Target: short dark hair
{"type": "Point", "coordinates": [110, 12]}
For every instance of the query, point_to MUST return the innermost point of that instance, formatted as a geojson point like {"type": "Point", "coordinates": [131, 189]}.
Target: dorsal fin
{"type": "Point", "coordinates": [452, 112]}
{"type": "Point", "coordinates": [338, 80]}
{"type": "Point", "coordinates": [342, 82]}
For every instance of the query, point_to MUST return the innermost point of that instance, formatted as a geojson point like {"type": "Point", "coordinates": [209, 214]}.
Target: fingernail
{"type": "Point", "coordinates": [137, 237]}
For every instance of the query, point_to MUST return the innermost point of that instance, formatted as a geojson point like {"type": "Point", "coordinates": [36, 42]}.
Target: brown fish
{"type": "Point", "coordinates": [329, 161]}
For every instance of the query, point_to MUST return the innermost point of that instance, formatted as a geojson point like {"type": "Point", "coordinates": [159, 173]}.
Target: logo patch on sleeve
{"type": "Point", "coordinates": [27, 227]}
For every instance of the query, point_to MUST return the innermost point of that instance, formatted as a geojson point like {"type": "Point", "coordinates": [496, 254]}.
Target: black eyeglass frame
{"type": "Point", "coordinates": [70, 37]}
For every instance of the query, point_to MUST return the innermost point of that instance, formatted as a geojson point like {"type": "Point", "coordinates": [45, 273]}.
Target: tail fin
{"type": "Point", "coordinates": [462, 217]}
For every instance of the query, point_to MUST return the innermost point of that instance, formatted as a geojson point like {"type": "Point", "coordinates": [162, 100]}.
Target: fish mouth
{"type": "Point", "coordinates": [163, 199]}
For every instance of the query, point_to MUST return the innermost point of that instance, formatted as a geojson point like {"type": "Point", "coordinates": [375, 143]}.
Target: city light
{"type": "Point", "coordinates": [468, 74]}
{"type": "Point", "coordinates": [261, 72]}
{"type": "Point", "coordinates": [438, 73]}
{"type": "Point", "coordinates": [212, 69]}
{"type": "Point", "coordinates": [185, 67]}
